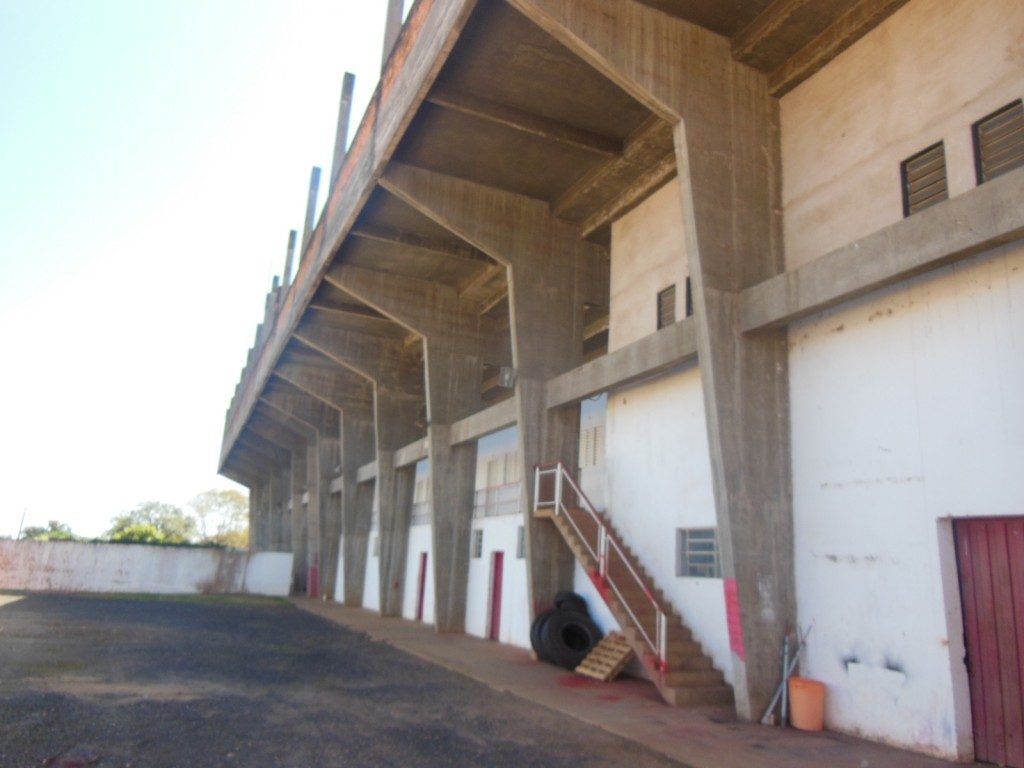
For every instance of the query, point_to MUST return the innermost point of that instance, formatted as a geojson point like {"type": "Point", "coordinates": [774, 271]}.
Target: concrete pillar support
{"type": "Point", "coordinates": [357, 448]}
{"type": "Point", "coordinates": [397, 408]}
{"type": "Point", "coordinates": [297, 488]}
{"type": "Point", "coordinates": [728, 159]}
{"type": "Point", "coordinates": [551, 273]}
{"type": "Point", "coordinates": [454, 344]}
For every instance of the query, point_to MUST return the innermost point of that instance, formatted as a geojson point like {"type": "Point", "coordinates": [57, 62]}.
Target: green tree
{"type": "Point", "coordinates": [171, 523]}
{"type": "Point", "coordinates": [139, 533]}
{"type": "Point", "coordinates": [54, 531]}
{"type": "Point", "coordinates": [223, 518]}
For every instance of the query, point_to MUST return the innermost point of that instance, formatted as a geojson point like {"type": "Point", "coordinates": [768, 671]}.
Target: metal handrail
{"type": "Point", "coordinates": [605, 542]}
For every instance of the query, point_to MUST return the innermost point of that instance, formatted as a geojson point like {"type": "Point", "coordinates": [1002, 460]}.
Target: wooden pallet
{"type": "Point", "coordinates": [607, 659]}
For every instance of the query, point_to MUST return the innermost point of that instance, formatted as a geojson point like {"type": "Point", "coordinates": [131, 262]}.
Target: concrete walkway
{"type": "Point", "coordinates": [699, 738]}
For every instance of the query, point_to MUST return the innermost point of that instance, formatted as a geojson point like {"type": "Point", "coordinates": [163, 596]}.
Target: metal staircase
{"type": "Point", "coordinates": [676, 663]}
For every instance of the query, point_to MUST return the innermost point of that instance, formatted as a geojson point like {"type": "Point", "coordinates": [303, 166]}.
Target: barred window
{"type": "Point", "coordinates": [697, 553]}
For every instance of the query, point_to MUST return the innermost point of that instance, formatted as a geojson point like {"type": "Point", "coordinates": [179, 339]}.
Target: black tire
{"type": "Point", "coordinates": [535, 631]}
{"type": "Point", "coordinates": [570, 601]}
{"type": "Point", "coordinates": [566, 637]}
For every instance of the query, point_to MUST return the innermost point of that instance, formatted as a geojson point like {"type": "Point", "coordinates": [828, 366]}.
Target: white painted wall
{"type": "Point", "coordinates": [907, 409]}
{"type": "Point", "coordinates": [648, 255]}
{"type": "Point", "coordinates": [500, 535]}
{"type": "Point", "coordinates": [420, 541]}
{"type": "Point", "coordinates": [659, 479]}
{"type": "Point", "coordinates": [63, 566]}
{"type": "Point", "coordinates": [924, 75]}
{"type": "Point", "coordinates": [371, 582]}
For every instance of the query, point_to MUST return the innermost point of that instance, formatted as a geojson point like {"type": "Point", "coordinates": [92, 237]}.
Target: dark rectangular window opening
{"type": "Point", "coordinates": [999, 142]}
{"type": "Point", "coordinates": [697, 553]}
{"type": "Point", "coordinates": [667, 307]}
{"type": "Point", "coordinates": [924, 179]}
{"type": "Point", "coordinates": [478, 543]}
{"type": "Point", "coordinates": [689, 298]}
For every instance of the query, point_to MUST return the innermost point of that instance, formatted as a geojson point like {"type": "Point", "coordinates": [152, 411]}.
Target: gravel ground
{"type": "Point", "coordinates": [195, 682]}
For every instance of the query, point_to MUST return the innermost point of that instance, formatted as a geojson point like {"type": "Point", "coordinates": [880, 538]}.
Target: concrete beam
{"type": "Point", "coordinates": [367, 472]}
{"type": "Point", "coordinates": [430, 33]}
{"type": "Point", "coordinates": [652, 355]}
{"type": "Point", "coordinates": [978, 220]}
{"type": "Point", "coordinates": [728, 157]}
{"type": "Point", "coordinates": [448, 248]}
{"type": "Point", "coordinates": [524, 122]}
{"type": "Point", "coordinates": [482, 423]}
{"type": "Point", "coordinates": [549, 272]}
{"type": "Point", "coordinates": [840, 35]}
{"type": "Point", "coordinates": [412, 453]}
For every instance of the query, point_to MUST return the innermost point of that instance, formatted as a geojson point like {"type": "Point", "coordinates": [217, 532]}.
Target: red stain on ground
{"type": "Point", "coordinates": [575, 681]}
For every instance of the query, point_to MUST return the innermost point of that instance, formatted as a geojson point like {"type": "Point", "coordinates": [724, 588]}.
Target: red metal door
{"type": "Point", "coordinates": [421, 587]}
{"type": "Point", "coordinates": [498, 566]}
{"type": "Point", "coordinates": [990, 552]}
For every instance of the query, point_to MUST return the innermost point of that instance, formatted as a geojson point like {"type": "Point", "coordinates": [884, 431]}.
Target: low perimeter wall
{"type": "Point", "coordinates": [65, 566]}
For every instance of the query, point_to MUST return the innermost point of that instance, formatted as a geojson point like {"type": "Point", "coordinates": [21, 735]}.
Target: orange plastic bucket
{"type": "Point", "coordinates": [806, 704]}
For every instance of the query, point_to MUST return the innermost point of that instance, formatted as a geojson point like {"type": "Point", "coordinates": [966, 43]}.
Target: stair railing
{"type": "Point", "coordinates": [551, 484]}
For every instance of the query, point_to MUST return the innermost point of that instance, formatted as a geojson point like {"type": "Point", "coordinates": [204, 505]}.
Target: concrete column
{"type": "Point", "coordinates": [551, 273]}
{"type": "Point", "coordinates": [728, 158]}
{"type": "Point", "coordinates": [285, 523]}
{"type": "Point", "coordinates": [320, 461]}
{"type": "Point", "coordinates": [357, 448]}
{"type": "Point", "coordinates": [254, 516]}
{"type": "Point", "coordinates": [396, 426]}
{"type": "Point", "coordinates": [398, 407]}
{"type": "Point", "coordinates": [298, 480]}
{"type": "Point", "coordinates": [454, 347]}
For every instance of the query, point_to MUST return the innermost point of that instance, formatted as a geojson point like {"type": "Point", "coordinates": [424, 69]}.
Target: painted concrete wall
{"type": "Point", "coordinates": [498, 515]}
{"type": "Point", "coordinates": [500, 534]}
{"type": "Point", "coordinates": [924, 75]}
{"type": "Point", "coordinates": [593, 437]}
{"type": "Point", "coordinates": [420, 542]}
{"type": "Point", "coordinates": [908, 409]}
{"type": "Point", "coordinates": [648, 255]}
{"type": "Point", "coordinates": [371, 583]}
{"type": "Point", "coordinates": [659, 480]}
{"type": "Point", "coordinates": [61, 566]}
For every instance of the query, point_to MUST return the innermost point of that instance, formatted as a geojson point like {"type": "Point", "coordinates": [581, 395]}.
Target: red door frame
{"type": "Point", "coordinates": [990, 558]}
{"type": "Point", "coordinates": [421, 587]}
{"type": "Point", "coordinates": [497, 571]}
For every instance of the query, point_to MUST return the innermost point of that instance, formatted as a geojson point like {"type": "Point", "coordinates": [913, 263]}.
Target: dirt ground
{"type": "Point", "coordinates": [195, 682]}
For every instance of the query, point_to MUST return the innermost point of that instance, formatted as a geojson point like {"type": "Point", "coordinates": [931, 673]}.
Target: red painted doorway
{"type": "Point", "coordinates": [497, 569]}
{"type": "Point", "coordinates": [421, 586]}
{"type": "Point", "coordinates": [990, 556]}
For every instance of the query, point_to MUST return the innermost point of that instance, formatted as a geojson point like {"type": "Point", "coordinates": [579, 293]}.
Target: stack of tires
{"type": "Point", "coordinates": [564, 635]}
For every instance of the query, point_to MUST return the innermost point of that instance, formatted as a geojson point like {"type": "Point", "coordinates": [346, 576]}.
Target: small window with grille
{"type": "Point", "coordinates": [667, 306]}
{"type": "Point", "coordinates": [521, 543]}
{"type": "Point", "coordinates": [697, 553]}
{"type": "Point", "coordinates": [478, 543]}
{"type": "Point", "coordinates": [924, 179]}
{"type": "Point", "coordinates": [999, 142]}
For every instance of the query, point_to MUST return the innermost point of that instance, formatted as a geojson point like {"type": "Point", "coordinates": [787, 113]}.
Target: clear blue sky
{"type": "Point", "coordinates": [153, 156]}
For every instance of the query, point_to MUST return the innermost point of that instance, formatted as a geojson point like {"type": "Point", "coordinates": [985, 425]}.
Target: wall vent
{"type": "Point", "coordinates": [999, 142]}
{"type": "Point", "coordinates": [924, 179]}
{"type": "Point", "coordinates": [666, 307]}
{"type": "Point", "coordinates": [478, 543]}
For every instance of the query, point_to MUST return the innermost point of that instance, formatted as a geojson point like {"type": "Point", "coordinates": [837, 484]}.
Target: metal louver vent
{"type": "Point", "coordinates": [924, 179]}
{"type": "Point", "coordinates": [667, 307]}
{"type": "Point", "coordinates": [999, 142]}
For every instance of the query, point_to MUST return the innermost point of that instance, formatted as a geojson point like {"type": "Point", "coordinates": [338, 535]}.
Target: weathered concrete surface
{"type": "Point", "coordinates": [63, 566]}
{"type": "Point", "coordinates": [109, 683]}
{"type": "Point", "coordinates": [979, 220]}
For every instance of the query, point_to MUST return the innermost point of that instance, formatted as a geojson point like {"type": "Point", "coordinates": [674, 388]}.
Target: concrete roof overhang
{"type": "Point", "coordinates": [478, 91]}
